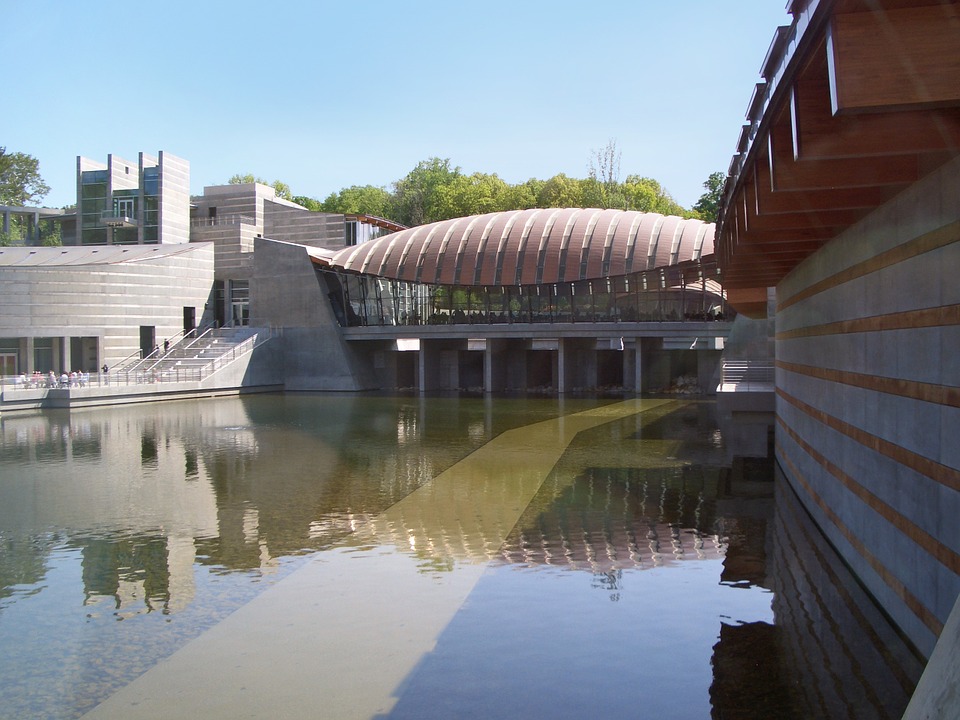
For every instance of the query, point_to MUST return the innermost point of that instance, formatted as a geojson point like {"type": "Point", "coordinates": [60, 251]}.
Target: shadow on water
{"type": "Point", "coordinates": [650, 576]}
{"type": "Point", "coordinates": [648, 580]}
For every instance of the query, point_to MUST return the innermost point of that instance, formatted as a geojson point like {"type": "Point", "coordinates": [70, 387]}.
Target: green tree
{"type": "Point", "coordinates": [20, 181]}
{"type": "Point", "coordinates": [281, 188]}
{"type": "Point", "coordinates": [560, 191]}
{"type": "Point", "coordinates": [309, 203]}
{"type": "Point", "coordinates": [708, 205]}
{"type": "Point", "coordinates": [524, 195]}
{"type": "Point", "coordinates": [416, 197]}
{"type": "Point", "coordinates": [647, 195]}
{"type": "Point", "coordinates": [50, 234]}
{"type": "Point", "coordinates": [359, 200]}
{"type": "Point", "coordinates": [471, 195]}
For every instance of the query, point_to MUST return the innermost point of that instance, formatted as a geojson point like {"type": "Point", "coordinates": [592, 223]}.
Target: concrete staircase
{"type": "Point", "coordinates": [194, 358]}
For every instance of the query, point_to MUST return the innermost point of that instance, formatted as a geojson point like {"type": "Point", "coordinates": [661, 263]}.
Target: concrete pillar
{"type": "Point", "coordinates": [589, 367]}
{"type": "Point", "coordinates": [562, 366]}
{"type": "Point", "coordinates": [638, 367]}
{"type": "Point", "coordinates": [488, 368]}
{"type": "Point", "coordinates": [30, 355]}
{"type": "Point", "coordinates": [421, 369]}
{"type": "Point", "coordinates": [6, 221]}
{"type": "Point", "coordinates": [449, 369]}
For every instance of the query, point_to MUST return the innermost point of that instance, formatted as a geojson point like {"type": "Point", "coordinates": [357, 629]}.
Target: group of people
{"type": "Point", "coordinates": [76, 378]}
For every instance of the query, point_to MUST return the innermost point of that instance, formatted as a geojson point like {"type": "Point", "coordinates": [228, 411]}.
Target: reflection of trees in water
{"type": "Point", "coordinates": [625, 495]}
{"type": "Point", "coordinates": [23, 563]}
{"type": "Point", "coordinates": [124, 568]}
{"type": "Point", "coordinates": [606, 519]}
{"type": "Point", "coordinates": [285, 475]}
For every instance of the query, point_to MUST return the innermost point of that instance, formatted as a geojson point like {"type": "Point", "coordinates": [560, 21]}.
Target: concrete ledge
{"type": "Point", "coordinates": [67, 398]}
{"type": "Point", "coordinates": [937, 696]}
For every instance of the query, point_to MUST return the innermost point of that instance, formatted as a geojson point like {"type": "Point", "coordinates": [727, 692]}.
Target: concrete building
{"type": "Point", "coordinates": [232, 216]}
{"type": "Point", "coordinates": [77, 308]}
{"type": "Point", "coordinates": [143, 263]}
{"type": "Point", "coordinates": [560, 300]}
{"type": "Point", "coordinates": [556, 300]}
{"type": "Point", "coordinates": [844, 196]}
{"type": "Point", "coordinates": [127, 203]}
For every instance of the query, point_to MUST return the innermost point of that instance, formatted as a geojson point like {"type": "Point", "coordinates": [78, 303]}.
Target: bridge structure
{"type": "Point", "coordinates": [844, 196]}
{"type": "Point", "coordinates": [550, 300]}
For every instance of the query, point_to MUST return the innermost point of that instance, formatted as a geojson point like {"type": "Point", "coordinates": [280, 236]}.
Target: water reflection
{"type": "Point", "coordinates": [127, 531]}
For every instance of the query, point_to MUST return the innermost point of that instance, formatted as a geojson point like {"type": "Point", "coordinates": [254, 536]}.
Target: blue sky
{"type": "Point", "coordinates": [327, 95]}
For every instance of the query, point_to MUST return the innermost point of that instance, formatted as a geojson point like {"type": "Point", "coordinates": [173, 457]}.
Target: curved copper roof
{"type": "Point", "coordinates": [526, 247]}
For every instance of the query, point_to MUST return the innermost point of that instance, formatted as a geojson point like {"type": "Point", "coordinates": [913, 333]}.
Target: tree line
{"type": "Point", "coordinates": [434, 190]}
{"type": "Point", "coordinates": [437, 190]}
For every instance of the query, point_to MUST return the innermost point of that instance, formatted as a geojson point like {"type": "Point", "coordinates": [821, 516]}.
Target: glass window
{"type": "Point", "coordinates": [93, 176]}
{"type": "Point", "coordinates": [43, 354]}
{"type": "Point", "coordinates": [151, 181]}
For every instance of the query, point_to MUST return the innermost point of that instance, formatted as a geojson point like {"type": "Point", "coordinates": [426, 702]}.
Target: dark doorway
{"type": "Point", "coordinates": [189, 319]}
{"type": "Point", "coordinates": [148, 339]}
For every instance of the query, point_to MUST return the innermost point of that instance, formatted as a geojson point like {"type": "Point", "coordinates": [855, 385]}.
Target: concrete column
{"type": "Point", "coordinates": [488, 368]}
{"type": "Point", "coordinates": [65, 354]}
{"type": "Point", "coordinates": [421, 369]}
{"type": "Point", "coordinates": [29, 355]}
{"type": "Point", "coordinates": [590, 367]}
{"type": "Point", "coordinates": [638, 367]}
{"type": "Point", "coordinates": [562, 366]}
{"type": "Point", "coordinates": [628, 363]}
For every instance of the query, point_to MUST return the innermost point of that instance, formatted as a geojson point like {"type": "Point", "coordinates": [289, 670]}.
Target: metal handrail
{"type": "Point", "coordinates": [149, 375]}
{"type": "Point", "coordinates": [231, 219]}
{"type": "Point", "coordinates": [746, 373]}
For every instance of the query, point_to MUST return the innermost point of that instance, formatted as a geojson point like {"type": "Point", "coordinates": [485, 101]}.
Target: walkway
{"type": "Point", "coordinates": [337, 638]}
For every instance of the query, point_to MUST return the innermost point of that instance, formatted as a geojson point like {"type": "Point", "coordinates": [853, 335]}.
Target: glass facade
{"type": "Point", "coordinates": [93, 202]}
{"type": "Point", "coordinates": [679, 293]}
{"type": "Point", "coordinates": [141, 206]}
{"type": "Point", "coordinates": [151, 205]}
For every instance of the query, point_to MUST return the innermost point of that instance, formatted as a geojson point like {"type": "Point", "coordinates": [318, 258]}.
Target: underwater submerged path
{"type": "Point", "coordinates": [337, 638]}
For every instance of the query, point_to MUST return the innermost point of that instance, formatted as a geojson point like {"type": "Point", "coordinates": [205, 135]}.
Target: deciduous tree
{"type": "Point", "coordinates": [20, 181]}
{"type": "Point", "coordinates": [417, 197]}
{"type": "Point", "coordinates": [708, 205]}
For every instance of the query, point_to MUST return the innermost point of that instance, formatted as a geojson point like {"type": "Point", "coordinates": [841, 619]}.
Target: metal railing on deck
{"type": "Point", "coordinates": [158, 373]}
{"type": "Point", "coordinates": [748, 374]}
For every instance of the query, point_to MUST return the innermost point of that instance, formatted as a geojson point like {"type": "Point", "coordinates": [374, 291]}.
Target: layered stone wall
{"type": "Point", "coordinates": [868, 399]}
{"type": "Point", "coordinates": [69, 293]}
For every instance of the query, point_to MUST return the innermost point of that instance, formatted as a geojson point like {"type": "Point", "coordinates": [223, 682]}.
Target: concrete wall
{"type": "Point", "coordinates": [286, 292]}
{"type": "Point", "coordinates": [108, 301]}
{"type": "Point", "coordinates": [174, 219]}
{"type": "Point", "coordinates": [298, 225]}
{"type": "Point", "coordinates": [243, 212]}
{"type": "Point", "coordinates": [868, 406]}
{"type": "Point", "coordinates": [234, 248]}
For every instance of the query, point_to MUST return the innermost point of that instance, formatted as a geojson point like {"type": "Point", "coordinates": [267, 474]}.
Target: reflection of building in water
{"type": "Point", "coordinates": [600, 520]}
{"type": "Point", "coordinates": [124, 486]}
{"type": "Point", "coordinates": [835, 637]}
{"type": "Point", "coordinates": [832, 653]}
{"type": "Point", "coordinates": [193, 483]}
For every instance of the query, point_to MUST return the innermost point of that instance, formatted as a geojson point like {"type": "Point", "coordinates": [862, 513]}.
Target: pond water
{"type": "Point", "coordinates": [461, 558]}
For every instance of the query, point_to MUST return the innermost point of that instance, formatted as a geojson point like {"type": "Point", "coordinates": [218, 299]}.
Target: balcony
{"type": "Point", "coordinates": [115, 219]}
